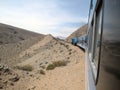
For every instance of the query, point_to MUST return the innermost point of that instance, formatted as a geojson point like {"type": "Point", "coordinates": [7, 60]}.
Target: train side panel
{"type": "Point", "coordinates": [103, 50]}
{"type": "Point", "coordinates": [109, 64]}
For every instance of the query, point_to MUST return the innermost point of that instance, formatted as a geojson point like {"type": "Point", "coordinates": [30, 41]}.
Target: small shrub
{"type": "Point", "coordinates": [70, 50]}
{"type": "Point", "coordinates": [61, 50]}
{"type": "Point", "coordinates": [70, 53]}
{"type": "Point", "coordinates": [25, 67]}
{"type": "Point", "coordinates": [21, 38]}
{"type": "Point", "coordinates": [67, 46]}
{"type": "Point", "coordinates": [50, 67]}
{"type": "Point", "coordinates": [42, 72]}
{"type": "Point", "coordinates": [56, 64]}
{"type": "Point", "coordinates": [60, 63]}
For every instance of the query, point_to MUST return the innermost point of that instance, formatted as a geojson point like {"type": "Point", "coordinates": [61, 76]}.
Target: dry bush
{"type": "Point", "coordinates": [50, 67]}
{"type": "Point", "coordinates": [56, 64]}
{"type": "Point", "coordinates": [60, 63]}
{"type": "Point", "coordinates": [25, 67]}
{"type": "Point", "coordinates": [42, 72]}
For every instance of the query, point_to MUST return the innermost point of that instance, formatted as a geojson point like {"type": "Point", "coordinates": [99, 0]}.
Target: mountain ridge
{"type": "Point", "coordinates": [12, 34]}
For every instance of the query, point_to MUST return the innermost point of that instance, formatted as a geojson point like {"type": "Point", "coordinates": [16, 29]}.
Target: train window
{"type": "Point", "coordinates": [95, 40]}
{"type": "Point", "coordinates": [91, 4]}
{"type": "Point", "coordinates": [97, 36]}
{"type": "Point", "coordinates": [90, 41]}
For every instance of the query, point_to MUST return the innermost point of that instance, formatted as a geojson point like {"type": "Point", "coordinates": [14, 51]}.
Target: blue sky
{"type": "Point", "coordinates": [56, 17]}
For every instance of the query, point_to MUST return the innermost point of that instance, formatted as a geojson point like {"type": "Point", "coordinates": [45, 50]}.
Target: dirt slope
{"type": "Point", "coordinates": [81, 31]}
{"type": "Point", "coordinates": [10, 34]}
{"type": "Point", "coordinates": [13, 41]}
{"type": "Point", "coordinates": [36, 58]}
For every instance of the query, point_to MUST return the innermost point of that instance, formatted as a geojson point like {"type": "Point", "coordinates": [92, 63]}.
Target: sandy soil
{"type": "Point", "coordinates": [39, 56]}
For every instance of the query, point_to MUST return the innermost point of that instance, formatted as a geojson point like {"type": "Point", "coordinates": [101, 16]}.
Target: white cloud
{"type": "Point", "coordinates": [40, 17]}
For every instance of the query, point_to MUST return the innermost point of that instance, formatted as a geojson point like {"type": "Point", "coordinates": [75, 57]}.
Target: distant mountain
{"type": "Point", "coordinates": [77, 33]}
{"type": "Point", "coordinates": [61, 37]}
{"type": "Point", "coordinates": [11, 34]}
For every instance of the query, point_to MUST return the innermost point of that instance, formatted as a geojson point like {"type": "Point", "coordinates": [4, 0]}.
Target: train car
{"type": "Point", "coordinates": [74, 40]}
{"type": "Point", "coordinates": [103, 50]}
{"type": "Point", "coordinates": [82, 42]}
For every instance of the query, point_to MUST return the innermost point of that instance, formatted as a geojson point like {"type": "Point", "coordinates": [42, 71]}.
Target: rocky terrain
{"type": "Point", "coordinates": [41, 62]}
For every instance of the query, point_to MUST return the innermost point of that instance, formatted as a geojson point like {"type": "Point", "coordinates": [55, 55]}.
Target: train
{"type": "Point", "coordinates": [74, 41]}
{"type": "Point", "coordinates": [80, 41]}
{"type": "Point", "coordinates": [103, 46]}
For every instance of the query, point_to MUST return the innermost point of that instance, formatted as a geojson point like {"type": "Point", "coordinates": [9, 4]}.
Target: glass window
{"type": "Point", "coordinates": [90, 34]}
{"type": "Point", "coordinates": [97, 36]}
{"type": "Point", "coordinates": [95, 40]}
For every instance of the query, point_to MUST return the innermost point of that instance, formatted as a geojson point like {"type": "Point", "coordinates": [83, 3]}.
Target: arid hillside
{"type": "Point", "coordinates": [11, 34]}
{"type": "Point", "coordinates": [79, 32]}
{"type": "Point", "coordinates": [41, 63]}
{"type": "Point", "coordinates": [13, 41]}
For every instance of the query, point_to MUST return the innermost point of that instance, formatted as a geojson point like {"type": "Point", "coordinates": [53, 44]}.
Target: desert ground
{"type": "Point", "coordinates": [43, 63]}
